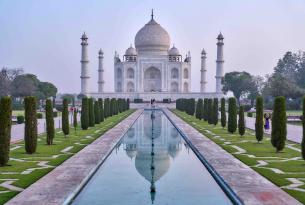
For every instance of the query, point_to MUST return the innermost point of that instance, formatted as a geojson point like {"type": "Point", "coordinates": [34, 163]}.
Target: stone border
{"type": "Point", "coordinates": [64, 181]}
{"type": "Point", "coordinates": [251, 187]}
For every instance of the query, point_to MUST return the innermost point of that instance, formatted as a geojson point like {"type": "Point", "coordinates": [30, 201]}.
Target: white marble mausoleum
{"type": "Point", "coordinates": [152, 69]}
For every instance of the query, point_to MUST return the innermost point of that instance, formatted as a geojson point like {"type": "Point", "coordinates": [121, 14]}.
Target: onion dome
{"type": "Point", "coordinates": [152, 37]}
{"type": "Point", "coordinates": [173, 51]}
{"type": "Point", "coordinates": [131, 51]}
{"type": "Point", "coordinates": [220, 36]}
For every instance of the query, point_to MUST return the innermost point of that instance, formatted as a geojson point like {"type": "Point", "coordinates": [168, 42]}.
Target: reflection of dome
{"type": "Point", "coordinates": [152, 37]}
{"type": "Point", "coordinates": [143, 163]}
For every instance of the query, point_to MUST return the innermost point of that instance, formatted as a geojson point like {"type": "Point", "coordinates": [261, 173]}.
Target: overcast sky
{"type": "Point", "coordinates": [43, 37]}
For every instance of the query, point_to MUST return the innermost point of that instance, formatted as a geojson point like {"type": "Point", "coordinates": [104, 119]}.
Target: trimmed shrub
{"type": "Point", "coordinates": [49, 122]}
{"type": "Point", "coordinates": [232, 118]}
{"type": "Point", "coordinates": [138, 100]}
{"type": "Point", "coordinates": [259, 120]}
{"type": "Point", "coordinates": [39, 115]}
{"type": "Point", "coordinates": [241, 121]}
{"type": "Point", "coordinates": [223, 113]}
{"type": "Point", "coordinates": [199, 109]}
{"type": "Point", "coordinates": [100, 102]}
{"type": "Point", "coordinates": [5, 129]}
{"type": "Point", "coordinates": [210, 111]}
{"type": "Point", "coordinates": [205, 109]}
{"type": "Point", "coordinates": [65, 117]}
{"type": "Point", "coordinates": [215, 111]}
{"type": "Point", "coordinates": [91, 113]}
{"type": "Point", "coordinates": [97, 112]}
{"type": "Point", "coordinates": [303, 123]}
{"type": "Point", "coordinates": [166, 100]}
{"type": "Point", "coordinates": [75, 119]}
{"type": "Point", "coordinates": [85, 113]}
{"type": "Point", "coordinates": [279, 127]}
{"type": "Point", "coordinates": [30, 126]}
{"type": "Point", "coordinates": [20, 119]}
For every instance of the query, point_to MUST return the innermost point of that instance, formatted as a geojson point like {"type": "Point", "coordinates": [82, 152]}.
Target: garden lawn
{"type": "Point", "coordinates": [285, 169]}
{"type": "Point", "coordinates": [24, 169]}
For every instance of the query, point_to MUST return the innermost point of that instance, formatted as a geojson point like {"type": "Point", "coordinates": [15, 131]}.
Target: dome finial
{"type": "Point", "coordinates": [152, 14]}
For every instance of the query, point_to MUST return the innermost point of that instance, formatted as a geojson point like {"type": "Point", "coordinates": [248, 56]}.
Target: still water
{"type": "Point", "coordinates": [152, 165]}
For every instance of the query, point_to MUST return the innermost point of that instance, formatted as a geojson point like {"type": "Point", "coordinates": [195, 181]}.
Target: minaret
{"type": "Point", "coordinates": [219, 63]}
{"type": "Point", "coordinates": [203, 72]}
{"type": "Point", "coordinates": [100, 70]}
{"type": "Point", "coordinates": [84, 66]}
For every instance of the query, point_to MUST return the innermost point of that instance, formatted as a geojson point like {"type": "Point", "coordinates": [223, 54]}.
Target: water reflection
{"type": "Point", "coordinates": [152, 153]}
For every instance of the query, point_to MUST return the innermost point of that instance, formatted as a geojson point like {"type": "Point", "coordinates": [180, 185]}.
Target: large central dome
{"type": "Point", "coordinates": [152, 37]}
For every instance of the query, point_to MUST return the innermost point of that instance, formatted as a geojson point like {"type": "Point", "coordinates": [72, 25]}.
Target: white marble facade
{"type": "Point", "coordinates": [152, 68]}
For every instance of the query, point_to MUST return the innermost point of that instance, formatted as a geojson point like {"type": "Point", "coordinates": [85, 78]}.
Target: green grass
{"type": "Point", "coordinates": [20, 161]}
{"type": "Point", "coordinates": [262, 151]}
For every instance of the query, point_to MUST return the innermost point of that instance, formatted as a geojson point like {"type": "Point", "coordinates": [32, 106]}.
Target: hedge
{"type": "Point", "coordinates": [5, 129]}
{"type": "Point", "coordinates": [30, 126]}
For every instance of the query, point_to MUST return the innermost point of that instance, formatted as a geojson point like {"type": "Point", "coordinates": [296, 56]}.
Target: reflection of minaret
{"type": "Point", "coordinates": [152, 167]}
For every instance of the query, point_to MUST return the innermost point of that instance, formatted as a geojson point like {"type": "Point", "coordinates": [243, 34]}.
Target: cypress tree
{"type": "Point", "coordinates": [191, 106]}
{"type": "Point", "coordinates": [91, 113]}
{"type": "Point", "coordinates": [241, 121]}
{"type": "Point", "coordinates": [100, 101]}
{"type": "Point", "coordinates": [205, 109]}
{"type": "Point", "coordinates": [128, 104]}
{"type": "Point", "coordinates": [232, 118]}
{"type": "Point", "coordinates": [97, 112]}
{"type": "Point", "coordinates": [106, 108]}
{"type": "Point", "coordinates": [49, 122]}
{"type": "Point", "coordinates": [279, 129]}
{"type": "Point", "coordinates": [303, 123]}
{"type": "Point", "coordinates": [30, 125]}
{"type": "Point", "coordinates": [85, 113]}
{"type": "Point", "coordinates": [5, 129]}
{"type": "Point", "coordinates": [223, 112]}
{"type": "Point", "coordinates": [65, 118]}
{"type": "Point", "coordinates": [210, 111]}
{"type": "Point", "coordinates": [199, 109]}
{"type": "Point", "coordinates": [259, 119]}
{"type": "Point", "coordinates": [215, 111]}
{"type": "Point", "coordinates": [75, 119]}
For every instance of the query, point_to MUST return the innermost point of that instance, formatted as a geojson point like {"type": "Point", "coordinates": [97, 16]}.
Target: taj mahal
{"type": "Point", "coordinates": [152, 69]}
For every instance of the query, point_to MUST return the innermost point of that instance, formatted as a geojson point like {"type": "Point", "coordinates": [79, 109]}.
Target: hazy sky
{"type": "Point", "coordinates": [43, 37]}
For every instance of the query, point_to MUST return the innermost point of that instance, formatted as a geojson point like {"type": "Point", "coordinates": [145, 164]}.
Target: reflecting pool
{"type": "Point", "coordinates": [152, 165]}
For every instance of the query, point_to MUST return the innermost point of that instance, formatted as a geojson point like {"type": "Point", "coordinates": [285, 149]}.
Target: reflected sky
{"type": "Point", "coordinates": [152, 165]}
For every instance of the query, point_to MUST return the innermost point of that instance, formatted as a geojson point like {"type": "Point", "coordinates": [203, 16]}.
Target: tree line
{"type": "Point", "coordinates": [93, 112]}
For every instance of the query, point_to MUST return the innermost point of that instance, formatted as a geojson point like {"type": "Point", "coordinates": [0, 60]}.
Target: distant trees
{"type": "Point", "coordinates": [85, 113]}
{"type": "Point", "coordinates": [259, 120]}
{"type": "Point", "coordinates": [6, 78]}
{"type": "Point", "coordinates": [49, 122]}
{"type": "Point", "coordinates": [241, 121]}
{"type": "Point", "coordinates": [199, 109]}
{"type": "Point", "coordinates": [279, 129]}
{"type": "Point", "coordinates": [232, 118]}
{"type": "Point", "coordinates": [5, 129]}
{"type": "Point", "coordinates": [30, 127]}
{"type": "Point", "coordinates": [223, 113]}
{"type": "Point", "coordinates": [65, 118]}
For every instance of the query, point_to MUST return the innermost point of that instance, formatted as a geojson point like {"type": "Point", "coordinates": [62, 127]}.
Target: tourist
{"type": "Point", "coordinates": [267, 123]}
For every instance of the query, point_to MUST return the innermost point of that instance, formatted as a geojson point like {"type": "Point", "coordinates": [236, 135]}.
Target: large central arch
{"type": "Point", "coordinates": [152, 80]}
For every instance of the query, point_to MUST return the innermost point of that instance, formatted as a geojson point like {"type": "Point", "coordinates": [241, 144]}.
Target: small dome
{"type": "Point", "coordinates": [220, 36]}
{"type": "Point", "coordinates": [84, 36]}
{"type": "Point", "coordinates": [131, 51]}
{"type": "Point", "coordinates": [152, 37]}
{"type": "Point", "coordinates": [173, 51]}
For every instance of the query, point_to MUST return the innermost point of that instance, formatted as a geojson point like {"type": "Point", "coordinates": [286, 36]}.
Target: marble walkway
{"type": "Point", "coordinates": [294, 132]}
{"type": "Point", "coordinates": [62, 182]}
{"type": "Point", "coordinates": [251, 187]}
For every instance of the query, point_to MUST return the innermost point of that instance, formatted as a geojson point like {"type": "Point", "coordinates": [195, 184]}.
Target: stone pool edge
{"type": "Point", "coordinates": [249, 186]}
{"type": "Point", "coordinates": [64, 182]}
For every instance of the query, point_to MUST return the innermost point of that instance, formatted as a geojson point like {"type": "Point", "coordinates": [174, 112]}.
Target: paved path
{"type": "Point", "coordinates": [294, 132]}
{"type": "Point", "coordinates": [18, 130]}
{"type": "Point", "coordinates": [252, 188]}
{"type": "Point", "coordinates": [62, 183]}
